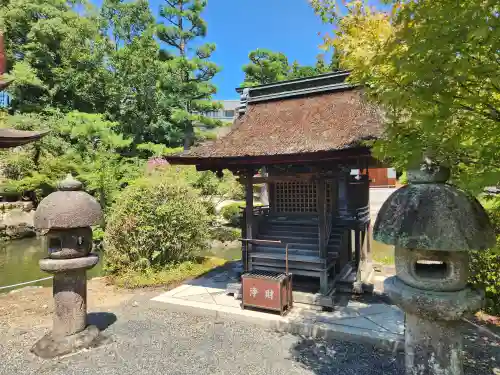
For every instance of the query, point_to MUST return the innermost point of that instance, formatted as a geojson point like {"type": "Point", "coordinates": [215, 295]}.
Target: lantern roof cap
{"type": "Point", "coordinates": [69, 207]}
{"type": "Point", "coordinates": [430, 214]}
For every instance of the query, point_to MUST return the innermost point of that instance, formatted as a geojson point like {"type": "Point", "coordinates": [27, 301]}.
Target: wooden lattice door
{"type": "Point", "coordinates": [295, 197]}
{"type": "Point", "coordinates": [299, 197]}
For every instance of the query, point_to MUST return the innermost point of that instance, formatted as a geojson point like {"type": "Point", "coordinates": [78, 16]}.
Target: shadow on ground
{"type": "Point", "coordinates": [481, 357]}
{"type": "Point", "coordinates": [482, 353]}
{"type": "Point", "coordinates": [101, 320]}
{"type": "Point", "coordinates": [341, 357]}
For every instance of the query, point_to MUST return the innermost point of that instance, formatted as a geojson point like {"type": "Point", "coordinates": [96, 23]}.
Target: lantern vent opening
{"type": "Point", "coordinates": [55, 244]}
{"type": "Point", "coordinates": [431, 269]}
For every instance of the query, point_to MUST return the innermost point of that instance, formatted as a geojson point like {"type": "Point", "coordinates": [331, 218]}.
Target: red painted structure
{"type": "Point", "coordinates": [267, 290]}
{"type": "Point", "coordinates": [379, 178]}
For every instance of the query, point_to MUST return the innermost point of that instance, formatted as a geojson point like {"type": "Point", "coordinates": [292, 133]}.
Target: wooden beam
{"type": "Point", "coordinates": [321, 194]}
{"type": "Point", "coordinates": [241, 162]}
{"type": "Point", "coordinates": [357, 246]}
{"type": "Point", "coordinates": [321, 202]}
{"type": "Point", "coordinates": [248, 215]}
{"type": "Point", "coordinates": [296, 177]}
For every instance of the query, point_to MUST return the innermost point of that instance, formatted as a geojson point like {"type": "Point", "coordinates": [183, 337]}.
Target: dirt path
{"type": "Point", "coordinates": [33, 306]}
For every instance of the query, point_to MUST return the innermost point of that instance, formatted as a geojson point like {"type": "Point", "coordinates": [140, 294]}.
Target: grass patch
{"type": "Point", "coordinates": [168, 276]}
{"type": "Point", "coordinates": [382, 253]}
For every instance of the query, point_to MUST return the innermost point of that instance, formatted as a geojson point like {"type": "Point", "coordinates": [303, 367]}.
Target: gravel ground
{"type": "Point", "coordinates": [150, 340]}
{"type": "Point", "coordinates": [155, 341]}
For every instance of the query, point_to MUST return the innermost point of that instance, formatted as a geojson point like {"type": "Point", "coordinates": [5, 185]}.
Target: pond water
{"type": "Point", "coordinates": [19, 259]}
{"type": "Point", "coordinates": [228, 251]}
{"type": "Point", "coordinates": [19, 262]}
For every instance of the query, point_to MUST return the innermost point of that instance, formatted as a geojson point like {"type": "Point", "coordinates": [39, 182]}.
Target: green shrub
{"type": "Point", "coordinates": [403, 179]}
{"type": "Point", "coordinates": [485, 274]}
{"type": "Point", "coordinates": [485, 265]}
{"type": "Point", "coordinates": [210, 185]}
{"type": "Point", "coordinates": [232, 212]}
{"type": "Point", "coordinates": [97, 236]}
{"type": "Point", "coordinates": [225, 234]}
{"type": "Point", "coordinates": [155, 221]}
{"type": "Point", "coordinates": [210, 207]}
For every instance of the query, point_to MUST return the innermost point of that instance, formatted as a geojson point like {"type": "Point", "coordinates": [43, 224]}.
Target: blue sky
{"type": "Point", "coordinates": [240, 26]}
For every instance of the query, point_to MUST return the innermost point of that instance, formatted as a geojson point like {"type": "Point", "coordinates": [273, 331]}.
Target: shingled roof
{"type": "Point", "coordinates": [320, 114]}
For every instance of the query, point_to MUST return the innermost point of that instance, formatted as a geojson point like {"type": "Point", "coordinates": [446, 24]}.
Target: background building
{"type": "Point", "coordinates": [228, 111]}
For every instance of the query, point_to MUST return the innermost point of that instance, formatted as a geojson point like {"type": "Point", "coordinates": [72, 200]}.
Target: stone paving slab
{"type": "Point", "coordinates": [376, 323]}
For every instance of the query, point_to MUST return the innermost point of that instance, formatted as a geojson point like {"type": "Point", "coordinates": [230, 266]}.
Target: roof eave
{"type": "Point", "coordinates": [20, 140]}
{"type": "Point", "coordinates": [209, 162]}
{"type": "Point", "coordinates": [305, 80]}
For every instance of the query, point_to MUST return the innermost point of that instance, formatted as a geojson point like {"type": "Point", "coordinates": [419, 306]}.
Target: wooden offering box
{"type": "Point", "coordinates": [267, 290]}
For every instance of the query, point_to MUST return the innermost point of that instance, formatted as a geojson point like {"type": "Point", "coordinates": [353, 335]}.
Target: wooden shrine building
{"type": "Point", "coordinates": [303, 138]}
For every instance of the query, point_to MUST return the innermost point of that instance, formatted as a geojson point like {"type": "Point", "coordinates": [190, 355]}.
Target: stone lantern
{"type": "Point", "coordinates": [433, 226]}
{"type": "Point", "coordinates": [66, 215]}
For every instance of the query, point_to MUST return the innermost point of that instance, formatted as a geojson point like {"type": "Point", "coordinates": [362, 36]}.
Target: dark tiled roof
{"type": "Point", "coordinates": [12, 137]}
{"type": "Point", "coordinates": [322, 122]}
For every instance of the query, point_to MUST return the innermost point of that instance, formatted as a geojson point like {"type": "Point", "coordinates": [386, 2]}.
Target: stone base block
{"type": "Point", "coordinates": [50, 347]}
{"type": "Point", "coordinates": [433, 305]}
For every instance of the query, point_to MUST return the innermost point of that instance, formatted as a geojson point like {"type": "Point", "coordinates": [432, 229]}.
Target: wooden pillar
{"type": "Point", "coordinates": [342, 193]}
{"type": "Point", "coordinates": [365, 245]}
{"type": "Point", "coordinates": [321, 194]}
{"type": "Point", "coordinates": [357, 246]}
{"type": "Point", "coordinates": [264, 190]}
{"type": "Point", "coordinates": [321, 208]}
{"type": "Point", "coordinates": [349, 245]}
{"type": "Point", "coordinates": [248, 216]}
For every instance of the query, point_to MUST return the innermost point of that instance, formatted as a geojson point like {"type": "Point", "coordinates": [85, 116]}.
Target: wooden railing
{"type": "Point", "coordinates": [259, 212]}
{"type": "Point", "coordinates": [247, 241]}
{"type": "Point", "coordinates": [328, 229]}
{"type": "Point", "coordinates": [361, 214]}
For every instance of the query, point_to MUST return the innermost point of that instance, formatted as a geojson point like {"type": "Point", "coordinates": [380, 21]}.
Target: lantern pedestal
{"type": "Point", "coordinates": [433, 336]}
{"type": "Point", "coordinates": [70, 331]}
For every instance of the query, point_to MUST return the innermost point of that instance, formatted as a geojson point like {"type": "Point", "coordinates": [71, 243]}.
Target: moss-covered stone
{"type": "Point", "coordinates": [433, 216]}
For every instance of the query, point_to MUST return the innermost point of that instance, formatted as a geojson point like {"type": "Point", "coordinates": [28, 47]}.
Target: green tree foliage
{"type": "Point", "coordinates": [232, 213]}
{"type": "Point", "coordinates": [55, 55]}
{"type": "Point", "coordinates": [485, 265]}
{"type": "Point", "coordinates": [266, 66]}
{"type": "Point", "coordinates": [80, 143]}
{"type": "Point", "coordinates": [436, 80]}
{"type": "Point", "coordinates": [125, 21]}
{"type": "Point", "coordinates": [433, 68]}
{"type": "Point", "coordinates": [139, 98]}
{"type": "Point", "coordinates": [156, 221]}
{"type": "Point", "coordinates": [189, 66]}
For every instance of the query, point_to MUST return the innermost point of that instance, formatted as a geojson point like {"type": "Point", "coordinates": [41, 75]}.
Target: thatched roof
{"type": "Point", "coordinates": [305, 116]}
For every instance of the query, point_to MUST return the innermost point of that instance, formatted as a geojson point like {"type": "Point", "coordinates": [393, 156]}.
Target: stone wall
{"type": "Point", "coordinates": [16, 220]}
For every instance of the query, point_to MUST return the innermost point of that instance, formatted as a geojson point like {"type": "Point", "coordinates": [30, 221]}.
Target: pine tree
{"type": "Point", "coordinates": [265, 67]}
{"type": "Point", "coordinates": [191, 69]}
{"type": "Point", "coordinates": [335, 61]}
{"type": "Point", "coordinates": [321, 66]}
